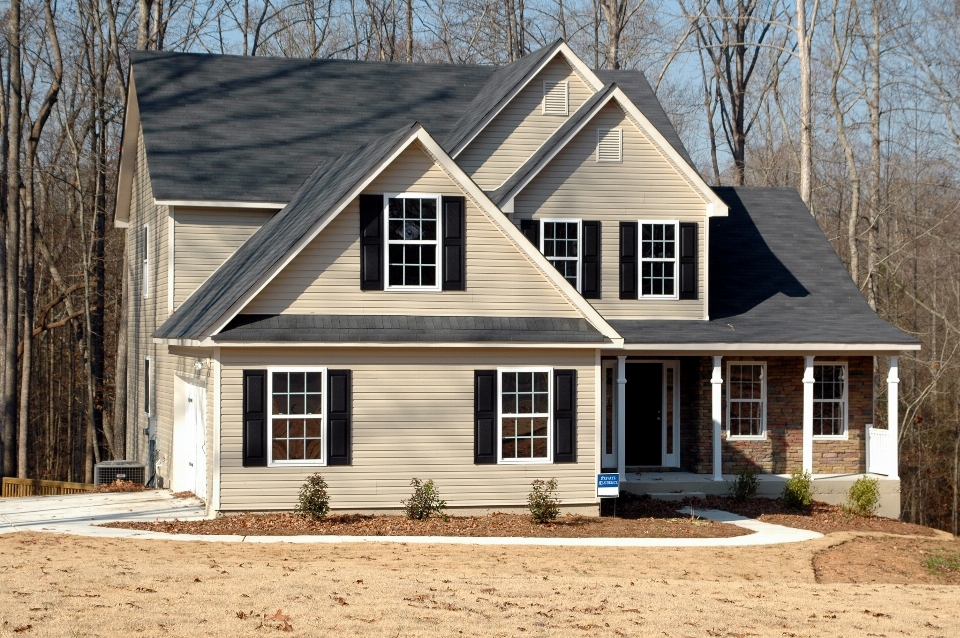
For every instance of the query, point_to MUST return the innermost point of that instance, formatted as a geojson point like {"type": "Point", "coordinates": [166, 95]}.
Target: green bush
{"type": "Point", "coordinates": [544, 506]}
{"type": "Point", "coordinates": [798, 492]}
{"type": "Point", "coordinates": [745, 485]}
{"type": "Point", "coordinates": [314, 501]}
{"type": "Point", "coordinates": [424, 501]}
{"type": "Point", "coordinates": [864, 496]}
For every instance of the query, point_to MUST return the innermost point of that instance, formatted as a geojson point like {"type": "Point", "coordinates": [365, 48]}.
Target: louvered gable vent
{"type": "Point", "coordinates": [610, 145]}
{"type": "Point", "coordinates": [555, 98]}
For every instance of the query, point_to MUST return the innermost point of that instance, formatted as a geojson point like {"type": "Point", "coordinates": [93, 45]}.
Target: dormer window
{"type": "Point", "coordinates": [413, 255]}
{"type": "Point", "coordinates": [556, 98]}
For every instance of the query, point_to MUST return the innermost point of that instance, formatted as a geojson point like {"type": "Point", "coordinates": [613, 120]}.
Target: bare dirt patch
{"type": "Point", "coordinates": [76, 586]}
{"type": "Point", "coordinates": [492, 525]}
{"type": "Point", "coordinates": [889, 559]}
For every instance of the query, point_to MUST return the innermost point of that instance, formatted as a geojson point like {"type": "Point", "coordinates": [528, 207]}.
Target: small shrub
{"type": "Point", "coordinates": [314, 501]}
{"type": "Point", "coordinates": [745, 485]}
{"type": "Point", "coordinates": [424, 501]}
{"type": "Point", "coordinates": [798, 492]}
{"type": "Point", "coordinates": [544, 506]}
{"type": "Point", "coordinates": [864, 496]}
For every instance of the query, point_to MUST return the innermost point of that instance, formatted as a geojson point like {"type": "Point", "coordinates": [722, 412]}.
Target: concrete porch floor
{"type": "Point", "coordinates": [828, 488]}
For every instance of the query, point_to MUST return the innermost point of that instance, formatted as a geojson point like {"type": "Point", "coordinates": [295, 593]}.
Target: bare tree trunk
{"type": "Point", "coordinates": [13, 242]}
{"type": "Point", "coordinates": [143, 26]}
{"type": "Point", "coordinates": [841, 53]}
{"type": "Point", "coordinates": [804, 38]}
{"type": "Point", "coordinates": [873, 109]}
{"type": "Point", "coordinates": [409, 30]}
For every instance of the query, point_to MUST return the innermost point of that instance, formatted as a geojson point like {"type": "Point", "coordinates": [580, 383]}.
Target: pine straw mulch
{"type": "Point", "coordinates": [819, 517]}
{"type": "Point", "coordinates": [641, 518]}
{"type": "Point", "coordinates": [121, 486]}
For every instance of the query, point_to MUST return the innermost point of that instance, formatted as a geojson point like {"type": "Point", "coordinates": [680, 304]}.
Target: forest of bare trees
{"type": "Point", "coordinates": [856, 103]}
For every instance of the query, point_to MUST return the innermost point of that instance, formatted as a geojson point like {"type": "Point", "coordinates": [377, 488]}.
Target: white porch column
{"type": "Point", "coordinates": [621, 415]}
{"type": "Point", "coordinates": [716, 409]}
{"type": "Point", "coordinates": [808, 414]}
{"type": "Point", "coordinates": [893, 416]}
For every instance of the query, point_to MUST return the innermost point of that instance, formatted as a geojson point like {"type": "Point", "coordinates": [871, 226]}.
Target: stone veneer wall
{"type": "Point", "coordinates": [782, 450]}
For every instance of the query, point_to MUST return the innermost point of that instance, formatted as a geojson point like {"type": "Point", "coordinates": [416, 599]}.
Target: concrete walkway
{"type": "Point", "coordinates": [81, 514]}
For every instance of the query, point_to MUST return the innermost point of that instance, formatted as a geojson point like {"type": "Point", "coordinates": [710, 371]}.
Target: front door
{"type": "Point", "coordinates": [644, 414]}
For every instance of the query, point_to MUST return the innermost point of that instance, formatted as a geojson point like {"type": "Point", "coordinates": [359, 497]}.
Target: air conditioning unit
{"type": "Point", "coordinates": [110, 471]}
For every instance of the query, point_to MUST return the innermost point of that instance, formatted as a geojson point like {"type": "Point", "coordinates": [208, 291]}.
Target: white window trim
{"type": "Point", "coordinates": [145, 259]}
{"type": "Point", "coordinates": [846, 403]}
{"type": "Point", "coordinates": [619, 132]}
{"type": "Point", "coordinates": [549, 459]}
{"type": "Point", "coordinates": [676, 258]}
{"type": "Point", "coordinates": [150, 374]}
{"type": "Point", "coordinates": [438, 287]}
{"type": "Point", "coordinates": [324, 431]}
{"type": "Point", "coordinates": [566, 98]}
{"type": "Point", "coordinates": [763, 401]}
{"type": "Point", "coordinates": [579, 258]}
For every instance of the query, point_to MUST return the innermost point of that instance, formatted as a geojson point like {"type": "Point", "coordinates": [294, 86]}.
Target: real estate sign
{"type": "Point", "coordinates": [608, 485]}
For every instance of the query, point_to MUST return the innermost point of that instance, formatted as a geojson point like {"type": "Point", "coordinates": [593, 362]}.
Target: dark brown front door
{"type": "Point", "coordinates": [644, 406]}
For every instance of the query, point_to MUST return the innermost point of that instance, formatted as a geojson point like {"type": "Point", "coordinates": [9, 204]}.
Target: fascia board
{"type": "Point", "coordinates": [310, 235]}
{"type": "Point", "coordinates": [579, 67]}
{"type": "Point", "coordinates": [128, 156]}
{"type": "Point", "coordinates": [402, 344]}
{"type": "Point", "coordinates": [773, 348]}
{"type": "Point", "coordinates": [516, 237]}
{"type": "Point", "coordinates": [715, 206]}
{"type": "Point", "coordinates": [205, 203]}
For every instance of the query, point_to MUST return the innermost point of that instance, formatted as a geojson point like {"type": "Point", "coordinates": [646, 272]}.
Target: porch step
{"type": "Point", "coordinates": [675, 496]}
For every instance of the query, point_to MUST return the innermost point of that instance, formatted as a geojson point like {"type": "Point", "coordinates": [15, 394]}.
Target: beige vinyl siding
{"type": "Point", "coordinates": [412, 416]}
{"type": "Point", "coordinates": [204, 239]}
{"type": "Point", "coordinates": [520, 128]}
{"type": "Point", "coordinates": [325, 277]}
{"type": "Point", "coordinates": [642, 187]}
{"type": "Point", "coordinates": [144, 315]}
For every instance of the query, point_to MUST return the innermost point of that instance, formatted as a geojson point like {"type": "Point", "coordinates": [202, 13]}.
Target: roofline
{"type": "Point", "coordinates": [129, 137]}
{"type": "Point", "coordinates": [579, 67]}
{"type": "Point", "coordinates": [211, 342]}
{"type": "Point", "coordinates": [797, 348]}
{"type": "Point", "coordinates": [215, 203]}
{"type": "Point", "coordinates": [469, 187]}
{"type": "Point", "coordinates": [715, 206]}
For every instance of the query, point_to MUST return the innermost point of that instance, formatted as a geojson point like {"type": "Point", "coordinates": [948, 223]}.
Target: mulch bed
{"type": "Point", "coordinates": [642, 518]}
{"type": "Point", "coordinates": [819, 517]}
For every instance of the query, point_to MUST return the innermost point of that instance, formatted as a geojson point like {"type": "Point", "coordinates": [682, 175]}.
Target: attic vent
{"type": "Point", "coordinates": [610, 145]}
{"type": "Point", "coordinates": [555, 98]}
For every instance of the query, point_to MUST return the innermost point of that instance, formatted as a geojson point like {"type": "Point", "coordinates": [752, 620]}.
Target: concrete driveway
{"type": "Point", "coordinates": [72, 513]}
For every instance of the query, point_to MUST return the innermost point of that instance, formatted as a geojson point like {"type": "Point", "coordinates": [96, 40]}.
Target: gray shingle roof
{"type": "Point", "coordinates": [393, 328]}
{"type": "Point", "coordinates": [547, 147]}
{"type": "Point", "coordinates": [235, 128]}
{"type": "Point", "coordinates": [774, 278]}
{"type": "Point", "coordinates": [255, 257]}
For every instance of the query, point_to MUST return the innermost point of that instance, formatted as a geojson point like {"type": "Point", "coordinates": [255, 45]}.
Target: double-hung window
{"type": "Point", "coordinates": [746, 400]}
{"type": "Point", "coordinates": [658, 259]}
{"type": "Point", "coordinates": [296, 417]}
{"type": "Point", "coordinates": [525, 415]}
{"type": "Point", "coordinates": [560, 244]}
{"type": "Point", "coordinates": [830, 400]}
{"type": "Point", "coordinates": [413, 250]}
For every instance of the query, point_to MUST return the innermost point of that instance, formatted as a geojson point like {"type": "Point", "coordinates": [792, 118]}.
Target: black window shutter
{"type": "Point", "coordinates": [485, 416]}
{"type": "Point", "coordinates": [688, 260]}
{"type": "Point", "coordinates": [531, 230]}
{"type": "Point", "coordinates": [454, 243]}
{"type": "Point", "coordinates": [628, 259]}
{"type": "Point", "coordinates": [338, 417]}
{"type": "Point", "coordinates": [565, 416]}
{"type": "Point", "coordinates": [590, 265]}
{"type": "Point", "coordinates": [254, 418]}
{"type": "Point", "coordinates": [371, 242]}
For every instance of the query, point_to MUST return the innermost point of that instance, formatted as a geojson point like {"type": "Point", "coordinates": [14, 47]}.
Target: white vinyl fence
{"type": "Point", "coordinates": [881, 451]}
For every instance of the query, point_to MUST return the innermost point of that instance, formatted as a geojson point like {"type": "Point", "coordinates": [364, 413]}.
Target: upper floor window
{"type": "Point", "coordinates": [658, 259]}
{"type": "Point", "coordinates": [830, 400]}
{"type": "Point", "coordinates": [296, 416]}
{"type": "Point", "coordinates": [746, 399]}
{"type": "Point", "coordinates": [610, 145]}
{"type": "Point", "coordinates": [560, 244]}
{"type": "Point", "coordinates": [413, 255]}
{"type": "Point", "coordinates": [556, 98]}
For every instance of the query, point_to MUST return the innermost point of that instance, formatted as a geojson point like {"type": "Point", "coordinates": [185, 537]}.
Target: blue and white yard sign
{"type": "Point", "coordinates": [608, 485]}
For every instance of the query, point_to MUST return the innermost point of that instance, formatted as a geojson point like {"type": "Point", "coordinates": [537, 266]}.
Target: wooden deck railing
{"type": "Point", "coordinates": [34, 487]}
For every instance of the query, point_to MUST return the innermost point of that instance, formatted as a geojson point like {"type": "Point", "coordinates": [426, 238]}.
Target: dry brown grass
{"type": "Point", "coordinates": [72, 586]}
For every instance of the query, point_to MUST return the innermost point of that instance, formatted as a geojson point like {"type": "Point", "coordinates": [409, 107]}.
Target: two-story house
{"type": "Point", "coordinates": [477, 275]}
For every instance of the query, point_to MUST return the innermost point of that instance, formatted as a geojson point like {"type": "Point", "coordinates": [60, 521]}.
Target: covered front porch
{"type": "Point", "coordinates": [716, 414]}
